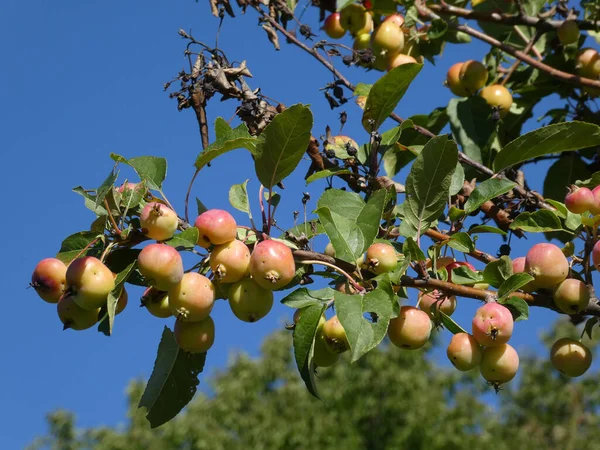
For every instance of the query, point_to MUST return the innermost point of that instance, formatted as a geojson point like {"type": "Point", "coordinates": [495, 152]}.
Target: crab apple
{"type": "Point", "coordinates": [74, 316]}
{"type": "Point", "coordinates": [49, 279]}
{"type": "Point", "coordinates": [362, 41]}
{"type": "Point", "coordinates": [382, 59]}
{"type": "Point", "coordinates": [322, 320]}
{"type": "Point", "coordinates": [157, 303]}
{"type": "Point", "coordinates": [571, 296]}
{"type": "Point", "coordinates": [195, 337]}
{"type": "Point", "coordinates": [596, 208]}
{"type": "Point", "coordinates": [401, 59]}
{"type": "Point", "coordinates": [464, 352]}
{"type": "Point", "coordinates": [518, 264]}
{"type": "Point", "coordinates": [322, 355]}
{"type": "Point", "coordinates": [588, 63]}
{"type": "Point", "coordinates": [329, 250]}
{"type": "Point", "coordinates": [250, 302]}
{"type": "Point", "coordinates": [355, 19]}
{"type": "Point", "coordinates": [397, 19]}
{"type": "Point", "coordinates": [381, 258]}
{"type": "Point", "coordinates": [127, 186]}
{"type": "Point", "coordinates": [454, 82]}
{"type": "Point", "coordinates": [89, 281]}
{"type": "Point", "coordinates": [547, 264]}
{"type": "Point", "coordinates": [473, 75]}
{"type": "Point", "coordinates": [158, 221]}
{"type": "Point", "coordinates": [570, 357]}
{"type": "Point", "coordinates": [580, 200]}
{"type": "Point", "coordinates": [568, 32]}
{"type": "Point", "coordinates": [596, 255]}
{"type": "Point", "coordinates": [492, 325]}
{"type": "Point", "coordinates": [434, 301]}
{"type": "Point", "coordinates": [388, 38]}
{"type": "Point", "coordinates": [345, 288]}
{"type": "Point", "coordinates": [455, 265]}
{"type": "Point", "coordinates": [335, 335]}
{"type": "Point", "coordinates": [192, 299]}
{"type": "Point", "coordinates": [122, 302]}
{"type": "Point", "coordinates": [272, 264]}
{"type": "Point", "coordinates": [215, 227]}
{"type": "Point", "coordinates": [332, 26]}
{"type": "Point", "coordinates": [161, 266]}
{"type": "Point", "coordinates": [498, 97]}
{"type": "Point", "coordinates": [411, 329]}
{"type": "Point", "coordinates": [440, 262]}
{"type": "Point", "coordinates": [499, 364]}
{"type": "Point", "coordinates": [230, 262]}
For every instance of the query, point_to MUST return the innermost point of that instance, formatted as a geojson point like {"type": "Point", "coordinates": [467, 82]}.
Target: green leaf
{"type": "Point", "coordinates": [281, 145]}
{"type": "Point", "coordinates": [462, 242]}
{"type": "Point", "coordinates": [412, 251]}
{"type": "Point", "coordinates": [437, 30]}
{"type": "Point", "coordinates": [327, 173]}
{"type": "Point", "coordinates": [106, 325]}
{"type": "Point", "coordinates": [221, 127]}
{"type": "Point", "coordinates": [497, 272]}
{"type": "Point", "coordinates": [187, 239]}
{"type": "Point", "coordinates": [233, 139]}
{"type": "Point", "coordinates": [561, 137]}
{"type": "Point", "coordinates": [238, 197]}
{"type": "Point", "coordinates": [76, 243]}
{"type": "Point", "coordinates": [458, 179]}
{"type": "Point", "coordinates": [362, 90]}
{"type": "Point", "coordinates": [386, 93]}
{"type": "Point", "coordinates": [105, 187]}
{"type": "Point", "coordinates": [515, 282]}
{"type": "Point", "coordinates": [537, 222]}
{"type": "Point", "coordinates": [428, 185]}
{"type": "Point", "coordinates": [304, 339]}
{"type": "Point", "coordinates": [364, 335]}
{"type": "Point", "coordinates": [591, 182]}
{"type": "Point", "coordinates": [90, 201]}
{"type": "Point", "coordinates": [341, 4]}
{"type": "Point", "coordinates": [450, 324]}
{"type": "Point", "coordinates": [487, 190]}
{"type": "Point", "coordinates": [518, 308]}
{"type": "Point", "coordinates": [310, 229]}
{"type": "Point", "coordinates": [173, 382]}
{"type": "Point", "coordinates": [565, 171]}
{"type": "Point", "coordinates": [464, 275]}
{"type": "Point", "coordinates": [200, 206]}
{"type": "Point", "coordinates": [151, 169]}
{"type": "Point", "coordinates": [301, 298]}
{"type": "Point", "coordinates": [589, 326]}
{"type": "Point", "coordinates": [486, 229]}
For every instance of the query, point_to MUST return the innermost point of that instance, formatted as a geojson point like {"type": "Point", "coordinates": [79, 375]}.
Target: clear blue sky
{"type": "Point", "coordinates": [82, 79]}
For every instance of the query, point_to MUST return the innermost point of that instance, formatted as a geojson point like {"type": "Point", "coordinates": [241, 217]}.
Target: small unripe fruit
{"type": "Point", "coordinates": [49, 279]}
{"type": "Point", "coordinates": [89, 281]}
{"type": "Point", "coordinates": [323, 356]}
{"type": "Point", "coordinates": [570, 357]}
{"type": "Point", "coordinates": [215, 227]}
{"type": "Point", "coordinates": [388, 38]}
{"type": "Point", "coordinates": [455, 265]}
{"type": "Point", "coordinates": [193, 298]}
{"type": "Point", "coordinates": [464, 352]}
{"type": "Point", "coordinates": [432, 302]}
{"type": "Point", "coordinates": [161, 266]}
{"type": "Point", "coordinates": [473, 75]}
{"type": "Point", "coordinates": [498, 97]}
{"type": "Point", "coordinates": [454, 82]}
{"type": "Point", "coordinates": [362, 41]}
{"type": "Point", "coordinates": [571, 296]}
{"type": "Point", "coordinates": [158, 221]}
{"type": "Point", "coordinates": [356, 19]}
{"type": "Point", "coordinates": [195, 337]}
{"type": "Point", "coordinates": [250, 302]}
{"type": "Point", "coordinates": [580, 200]}
{"type": "Point", "coordinates": [401, 59]}
{"type": "Point", "coordinates": [381, 258]}
{"type": "Point", "coordinates": [411, 329]}
{"type": "Point", "coordinates": [332, 26]}
{"type": "Point", "coordinates": [588, 63]}
{"type": "Point", "coordinates": [122, 302]}
{"type": "Point", "coordinates": [157, 303]}
{"type": "Point", "coordinates": [230, 262]}
{"type": "Point", "coordinates": [272, 264]}
{"type": "Point", "coordinates": [568, 32]}
{"type": "Point", "coordinates": [492, 325]}
{"type": "Point", "coordinates": [547, 264]}
{"type": "Point", "coordinates": [499, 364]}
{"type": "Point", "coordinates": [335, 335]}
{"type": "Point", "coordinates": [329, 250]}
{"type": "Point", "coordinates": [74, 316]}
{"type": "Point", "coordinates": [322, 320]}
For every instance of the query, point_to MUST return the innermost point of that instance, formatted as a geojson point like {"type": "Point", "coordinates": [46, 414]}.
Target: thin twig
{"type": "Point", "coordinates": [354, 284]}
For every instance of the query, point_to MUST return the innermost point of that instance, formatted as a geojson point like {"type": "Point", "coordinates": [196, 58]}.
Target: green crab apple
{"type": "Point", "coordinates": [454, 82]}
{"type": "Point", "coordinates": [248, 301]}
{"type": "Point", "coordinates": [464, 352]}
{"type": "Point", "coordinates": [230, 262]}
{"type": "Point", "coordinates": [381, 258]}
{"type": "Point", "coordinates": [473, 76]}
{"type": "Point", "coordinates": [195, 337]}
{"type": "Point", "coordinates": [498, 97]}
{"type": "Point", "coordinates": [362, 41]}
{"type": "Point", "coordinates": [74, 316]}
{"type": "Point", "coordinates": [161, 266]}
{"type": "Point", "coordinates": [192, 299]}
{"type": "Point", "coordinates": [570, 357]}
{"type": "Point", "coordinates": [158, 221]}
{"type": "Point", "coordinates": [329, 250]}
{"type": "Point", "coordinates": [322, 355]}
{"type": "Point", "coordinates": [272, 264]}
{"type": "Point", "coordinates": [49, 279]}
{"type": "Point", "coordinates": [547, 264]}
{"type": "Point", "coordinates": [401, 59]}
{"type": "Point", "coordinates": [388, 37]}
{"type": "Point", "coordinates": [571, 296]}
{"type": "Point", "coordinates": [89, 281]}
{"type": "Point", "coordinates": [215, 227]}
{"type": "Point", "coordinates": [492, 325]}
{"type": "Point", "coordinates": [568, 32]}
{"type": "Point", "coordinates": [156, 302]}
{"type": "Point", "coordinates": [434, 301]}
{"type": "Point", "coordinates": [580, 200]}
{"type": "Point", "coordinates": [588, 63]}
{"type": "Point", "coordinates": [335, 335]}
{"type": "Point", "coordinates": [499, 364]}
{"type": "Point", "coordinates": [356, 19]}
{"type": "Point", "coordinates": [411, 329]}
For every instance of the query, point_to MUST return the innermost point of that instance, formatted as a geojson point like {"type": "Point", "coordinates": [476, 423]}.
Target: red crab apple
{"type": "Point", "coordinates": [381, 258]}
{"type": "Point", "coordinates": [230, 262]}
{"type": "Point", "coordinates": [568, 32]}
{"type": "Point", "coordinates": [248, 301]}
{"type": "Point", "coordinates": [454, 82]}
{"type": "Point", "coordinates": [272, 264]}
{"type": "Point", "coordinates": [464, 352]}
{"type": "Point", "coordinates": [518, 265]}
{"type": "Point", "coordinates": [571, 296]}
{"type": "Point", "coordinates": [161, 265]}
{"type": "Point", "coordinates": [122, 302]}
{"type": "Point", "coordinates": [434, 301]}
{"type": "Point", "coordinates": [335, 335]}
{"type": "Point", "coordinates": [570, 357]}
{"type": "Point", "coordinates": [192, 299]}
{"type": "Point", "coordinates": [195, 337]}
{"type": "Point", "coordinates": [89, 281]}
{"type": "Point", "coordinates": [158, 221]}
{"type": "Point", "coordinates": [401, 59]}
{"type": "Point", "coordinates": [473, 76]}
{"type": "Point", "coordinates": [332, 26]}
{"type": "Point", "coordinates": [547, 264]}
{"type": "Point", "coordinates": [74, 316]}
{"type": "Point", "coordinates": [498, 97]}
{"type": "Point", "coordinates": [215, 227]}
{"type": "Point", "coordinates": [596, 208]}
{"type": "Point", "coordinates": [411, 329]}
{"type": "Point", "coordinates": [455, 265]}
{"type": "Point", "coordinates": [499, 364]}
{"type": "Point", "coordinates": [588, 63]}
{"type": "Point", "coordinates": [580, 200]}
{"type": "Point", "coordinates": [49, 279]}
{"type": "Point", "coordinates": [492, 325]}
{"type": "Point", "coordinates": [388, 37]}
{"type": "Point", "coordinates": [157, 303]}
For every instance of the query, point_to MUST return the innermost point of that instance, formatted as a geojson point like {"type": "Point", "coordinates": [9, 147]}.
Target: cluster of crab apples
{"type": "Point", "coordinates": [247, 279]}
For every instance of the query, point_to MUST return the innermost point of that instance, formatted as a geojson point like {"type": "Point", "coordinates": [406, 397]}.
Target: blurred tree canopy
{"type": "Point", "coordinates": [389, 399]}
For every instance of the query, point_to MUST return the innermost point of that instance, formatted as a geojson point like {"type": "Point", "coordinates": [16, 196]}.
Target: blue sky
{"type": "Point", "coordinates": [83, 79]}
